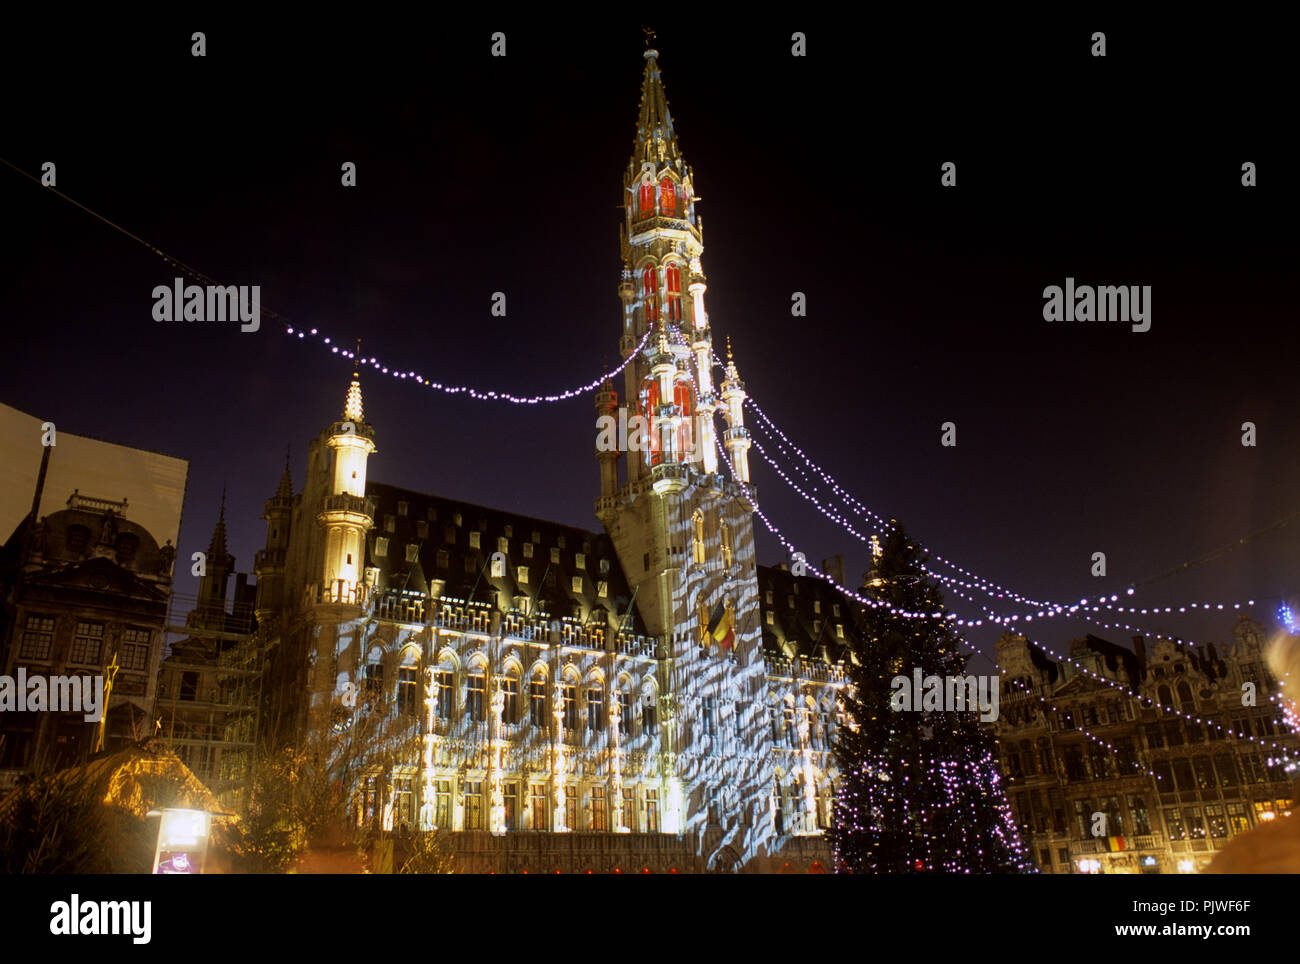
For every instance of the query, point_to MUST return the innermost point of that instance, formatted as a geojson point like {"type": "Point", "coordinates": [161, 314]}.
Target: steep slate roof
{"type": "Point", "coordinates": [792, 633]}
{"type": "Point", "coordinates": [553, 595]}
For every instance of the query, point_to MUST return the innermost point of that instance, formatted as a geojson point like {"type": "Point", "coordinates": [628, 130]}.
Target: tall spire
{"type": "Point", "coordinates": [217, 546]}
{"type": "Point", "coordinates": [352, 411]}
{"type": "Point", "coordinates": [656, 142]}
{"type": "Point", "coordinates": [285, 491]}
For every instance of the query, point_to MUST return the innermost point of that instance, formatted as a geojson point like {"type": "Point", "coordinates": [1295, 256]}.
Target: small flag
{"type": "Point", "coordinates": [722, 626]}
{"type": "Point", "coordinates": [1114, 844]}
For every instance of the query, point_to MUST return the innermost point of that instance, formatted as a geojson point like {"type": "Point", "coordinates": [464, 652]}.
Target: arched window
{"type": "Point", "coordinates": [697, 539]}
{"type": "Point", "coordinates": [1185, 696]}
{"type": "Point", "coordinates": [1164, 695]}
{"type": "Point", "coordinates": [667, 197]}
{"type": "Point", "coordinates": [650, 293]}
{"type": "Point", "coordinates": [683, 398]}
{"type": "Point", "coordinates": [673, 280]}
{"type": "Point", "coordinates": [646, 198]}
{"type": "Point", "coordinates": [650, 404]}
{"type": "Point", "coordinates": [728, 552]}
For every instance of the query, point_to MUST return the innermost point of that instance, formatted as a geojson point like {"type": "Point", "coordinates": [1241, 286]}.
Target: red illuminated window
{"type": "Point", "coordinates": [646, 200]}
{"type": "Point", "coordinates": [673, 276]}
{"type": "Point", "coordinates": [650, 292]}
{"type": "Point", "coordinates": [683, 398]}
{"type": "Point", "coordinates": [667, 197]}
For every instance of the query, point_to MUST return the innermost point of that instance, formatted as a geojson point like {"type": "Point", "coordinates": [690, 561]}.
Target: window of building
{"type": "Point", "coordinates": [38, 638]}
{"type": "Point", "coordinates": [1204, 773]}
{"type": "Point", "coordinates": [1227, 769]}
{"type": "Point", "coordinates": [528, 550]}
{"type": "Point", "coordinates": [602, 588]}
{"type": "Point", "coordinates": [76, 538]}
{"type": "Point", "coordinates": [1083, 811]}
{"type": "Point", "coordinates": [770, 617]}
{"type": "Point", "coordinates": [569, 705]}
{"type": "Point", "coordinates": [421, 529]}
{"type": "Point", "coordinates": [475, 691]}
{"type": "Point", "coordinates": [475, 539]}
{"type": "Point", "coordinates": [673, 282]}
{"type": "Point", "coordinates": [839, 630]}
{"type": "Point", "coordinates": [474, 805]}
{"type": "Point", "coordinates": [652, 810]}
{"type": "Point", "coordinates": [576, 583]}
{"type": "Point", "coordinates": [697, 537]}
{"type": "Point", "coordinates": [521, 575]}
{"type": "Point", "coordinates": [403, 803]}
{"type": "Point", "coordinates": [442, 804]}
{"type": "Point", "coordinates": [510, 806]}
{"type": "Point", "coordinates": [444, 559]}
{"type": "Point", "coordinates": [728, 552]}
{"type": "Point", "coordinates": [595, 696]}
{"type": "Point", "coordinates": [629, 808]}
{"type": "Point", "coordinates": [374, 681]}
{"type": "Point", "coordinates": [134, 654]}
{"type": "Point", "coordinates": [1214, 816]}
{"type": "Point", "coordinates": [1183, 774]}
{"type": "Point", "coordinates": [571, 807]}
{"type": "Point", "coordinates": [539, 809]}
{"type": "Point", "coordinates": [667, 198]}
{"type": "Point", "coordinates": [624, 714]}
{"type": "Point", "coordinates": [1195, 823]}
{"type": "Point", "coordinates": [444, 684]}
{"type": "Point", "coordinates": [408, 691]}
{"type": "Point", "coordinates": [555, 557]}
{"type": "Point", "coordinates": [412, 552]}
{"type": "Point", "coordinates": [650, 294]}
{"type": "Point", "coordinates": [649, 718]}
{"type": "Point", "coordinates": [1236, 816]}
{"type": "Point", "coordinates": [381, 547]}
{"type": "Point", "coordinates": [599, 821]}
{"type": "Point", "coordinates": [1075, 770]}
{"type": "Point", "coordinates": [1155, 735]}
{"type": "Point", "coordinates": [1137, 811]}
{"type": "Point", "coordinates": [510, 708]}
{"type": "Point", "coordinates": [708, 715]}
{"type": "Point", "coordinates": [88, 643]}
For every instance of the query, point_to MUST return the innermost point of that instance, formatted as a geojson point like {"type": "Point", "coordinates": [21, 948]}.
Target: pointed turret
{"type": "Point", "coordinates": [735, 438]}
{"type": "Point", "coordinates": [218, 565]}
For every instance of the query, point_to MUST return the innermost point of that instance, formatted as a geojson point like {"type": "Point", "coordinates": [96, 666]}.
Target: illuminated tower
{"type": "Point", "coordinates": [682, 526]}
{"type": "Point", "coordinates": [345, 514]}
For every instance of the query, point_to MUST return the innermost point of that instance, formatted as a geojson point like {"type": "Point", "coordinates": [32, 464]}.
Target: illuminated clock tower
{"type": "Point", "coordinates": [681, 514]}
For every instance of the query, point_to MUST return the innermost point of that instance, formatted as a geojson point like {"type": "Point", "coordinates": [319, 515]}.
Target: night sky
{"type": "Point", "coordinates": [818, 174]}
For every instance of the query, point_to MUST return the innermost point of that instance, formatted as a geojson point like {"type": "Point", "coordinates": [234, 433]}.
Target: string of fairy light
{"type": "Point", "coordinates": [486, 396]}
{"type": "Point", "coordinates": [1046, 609]}
{"type": "Point", "coordinates": [784, 443]}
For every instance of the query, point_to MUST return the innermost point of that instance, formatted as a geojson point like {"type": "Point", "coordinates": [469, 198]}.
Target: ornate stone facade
{"type": "Point", "coordinates": [1170, 788]}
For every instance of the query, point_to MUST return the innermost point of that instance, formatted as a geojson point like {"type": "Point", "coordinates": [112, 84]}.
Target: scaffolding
{"type": "Point", "coordinates": [210, 691]}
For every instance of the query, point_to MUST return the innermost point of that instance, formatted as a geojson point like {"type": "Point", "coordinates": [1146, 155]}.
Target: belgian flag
{"type": "Point", "coordinates": [722, 626]}
{"type": "Point", "coordinates": [1115, 844]}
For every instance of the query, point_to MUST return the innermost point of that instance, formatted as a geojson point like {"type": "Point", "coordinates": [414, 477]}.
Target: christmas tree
{"type": "Point", "coordinates": [921, 791]}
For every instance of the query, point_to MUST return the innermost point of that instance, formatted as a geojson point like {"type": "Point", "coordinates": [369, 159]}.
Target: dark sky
{"type": "Point", "coordinates": [818, 174]}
